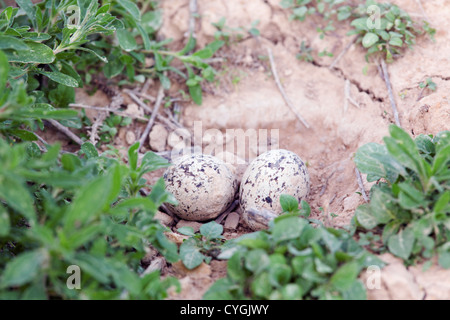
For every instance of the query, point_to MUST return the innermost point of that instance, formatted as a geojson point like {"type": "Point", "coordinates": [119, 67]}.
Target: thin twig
{"type": "Point", "coordinates": [146, 85]}
{"type": "Point", "coordinates": [346, 94]}
{"type": "Point", "coordinates": [343, 52]}
{"type": "Point", "coordinates": [361, 185]}
{"type": "Point", "coordinates": [44, 143]}
{"type": "Point", "coordinates": [118, 112]}
{"type": "Point", "coordinates": [223, 215]}
{"type": "Point", "coordinates": [150, 123]}
{"type": "Point", "coordinates": [391, 95]}
{"type": "Point", "coordinates": [192, 16]}
{"type": "Point", "coordinates": [423, 11]}
{"type": "Point", "coordinates": [283, 93]}
{"type": "Point", "coordinates": [325, 185]}
{"type": "Point", "coordinates": [348, 98]}
{"type": "Point", "coordinates": [144, 95]}
{"type": "Point", "coordinates": [135, 98]}
{"type": "Point", "coordinates": [66, 131]}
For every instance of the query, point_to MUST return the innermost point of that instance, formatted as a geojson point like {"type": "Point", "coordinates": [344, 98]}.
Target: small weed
{"type": "Point", "coordinates": [305, 53]}
{"type": "Point", "coordinates": [202, 246]}
{"type": "Point", "coordinates": [410, 204]}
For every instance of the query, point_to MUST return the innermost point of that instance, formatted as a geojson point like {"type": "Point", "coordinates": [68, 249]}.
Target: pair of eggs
{"type": "Point", "coordinates": [205, 186]}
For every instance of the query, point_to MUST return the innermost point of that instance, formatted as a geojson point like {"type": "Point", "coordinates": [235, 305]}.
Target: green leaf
{"type": "Point", "coordinates": [365, 217]}
{"type": "Point", "coordinates": [4, 70]}
{"type": "Point", "coordinates": [5, 224]}
{"type": "Point", "coordinates": [196, 94]}
{"type": "Point", "coordinates": [151, 162]}
{"type": "Point", "coordinates": [8, 42]}
{"type": "Point", "coordinates": [292, 291]}
{"type": "Point", "coordinates": [89, 150]}
{"type": "Point", "coordinates": [131, 8]}
{"type": "Point", "coordinates": [211, 230]}
{"type": "Point", "coordinates": [167, 248]}
{"type": "Point", "coordinates": [61, 78]}
{"type": "Point", "coordinates": [290, 228]}
{"type": "Point", "coordinates": [187, 231]}
{"type": "Point", "coordinates": [257, 260]}
{"type": "Point", "coordinates": [441, 160]}
{"type": "Point", "coordinates": [360, 24]}
{"type": "Point", "coordinates": [374, 160]}
{"type": "Point", "coordinates": [402, 147]}
{"type": "Point", "coordinates": [382, 206]}
{"type": "Point", "coordinates": [29, 8]}
{"type": "Point", "coordinates": [345, 276]}
{"type": "Point", "coordinates": [444, 260]}
{"type": "Point", "coordinates": [356, 292]}
{"type": "Point", "coordinates": [126, 40]}
{"type": "Point", "coordinates": [23, 268]}
{"type": "Point", "coordinates": [261, 286]}
{"type": "Point", "coordinates": [16, 195]}
{"type": "Point", "coordinates": [133, 155]}
{"type": "Point", "coordinates": [144, 35]}
{"type": "Point", "coordinates": [23, 135]}
{"type": "Point", "coordinates": [96, 266]}
{"type": "Point", "coordinates": [36, 53]}
{"type": "Point", "coordinates": [89, 201]}
{"type": "Point", "coordinates": [370, 39]}
{"type": "Point", "coordinates": [94, 53]}
{"type": "Point", "coordinates": [402, 243]}
{"type": "Point", "coordinates": [288, 203]}
{"type": "Point", "coordinates": [397, 42]}
{"type": "Point", "coordinates": [190, 254]}
{"type": "Point", "coordinates": [235, 269]}
{"type": "Point", "coordinates": [280, 275]}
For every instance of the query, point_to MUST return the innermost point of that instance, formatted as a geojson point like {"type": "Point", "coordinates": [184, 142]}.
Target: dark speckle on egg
{"type": "Point", "coordinates": [203, 185]}
{"type": "Point", "coordinates": [270, 175]}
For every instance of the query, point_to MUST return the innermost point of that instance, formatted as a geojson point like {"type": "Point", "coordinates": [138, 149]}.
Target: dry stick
{"type": "Point", "coordinates": [422, 10]}
{"type": "Point", "coordinates": [391, 95]}
{"type": "Point", "coordinates": [343, 52]}
{"type": "Point", "coordinates": [192, 16]}
{"type": "Point", "coordinates": [361, 185]}
{"type": "Point", "coordinates": [169, 123]}
{"type": "Point", "coordinates": [118, 112]}
{"type": "Point", "coordinates": [145, 96]}
{"type": "Point", "coordinates": [223, 215]}
{"type": "Point", "coordinates": [283, 93]}
{"type": "Point", "coordinates": [348, 97]}
{"type": "Point", "coordinates": [346, 94]}
{"type": "Point", "coordinates": [150, 123]}
{"type": "Point", "coordinates": [66, 131]}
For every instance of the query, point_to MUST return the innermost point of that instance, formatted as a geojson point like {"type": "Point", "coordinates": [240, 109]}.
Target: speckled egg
{"type": "Point", "coordinates": [270, 175]}
{"type": "Point", "coordinates": [203, 185]}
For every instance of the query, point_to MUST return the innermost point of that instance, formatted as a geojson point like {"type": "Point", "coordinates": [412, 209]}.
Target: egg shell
{"type": "Point", "coordinates": [203, 185]}
{"type": "Point", "coordinates": [270, 175]}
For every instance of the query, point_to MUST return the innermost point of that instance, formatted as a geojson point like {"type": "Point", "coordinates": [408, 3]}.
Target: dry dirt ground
{"type": "Point", "coordinates": [246, 97]}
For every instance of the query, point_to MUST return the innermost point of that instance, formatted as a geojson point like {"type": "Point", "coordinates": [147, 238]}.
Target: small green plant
{"type": "Point", "coordinates": [60, 210]}
{"type": "Point", "coordinates": [428, 84]}
{"type": "Point", "coordinates": [385, 34]}
{"type": "Point", "coordinates": [293, 260]}
{"type": "Point", "coordinates": [410, 204]}
{"type": "Point", "coordinates": [110, 126]}
{"type": "Point", "coordinates": [232, 35]}
{"type": "Point", "coordinates": [388, 34]}
{"type": "Point", "coordinates": [305, 53]}
{"type": "Point", "coordinates": [202, 246]}
{"type": "Point", "coordinates": [325, 53]}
